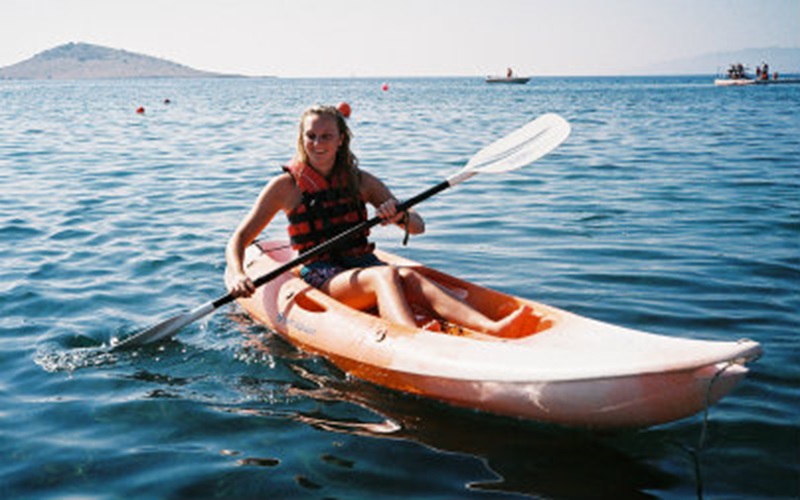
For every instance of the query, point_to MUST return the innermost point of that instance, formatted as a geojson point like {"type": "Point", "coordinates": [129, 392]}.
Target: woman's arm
{"type": "Point", "coordinates": [277, 195]}
{"type": "Point", "coordinates": [378, 195]}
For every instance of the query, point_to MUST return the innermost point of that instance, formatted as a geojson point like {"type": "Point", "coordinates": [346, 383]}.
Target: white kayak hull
{"type": "Point", "coordinates": [568, 369]}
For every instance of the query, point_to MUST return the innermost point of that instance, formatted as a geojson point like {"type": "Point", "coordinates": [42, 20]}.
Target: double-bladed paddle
{"type": "Point", "coordinates": [516, 150]}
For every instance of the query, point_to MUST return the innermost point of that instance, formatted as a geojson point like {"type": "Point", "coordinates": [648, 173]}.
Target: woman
{"type": "Point", "coordinates": [323, 192]}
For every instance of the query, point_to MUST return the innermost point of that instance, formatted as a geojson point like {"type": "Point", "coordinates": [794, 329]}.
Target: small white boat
{"type": "Point", "coordinates": [508, 79]}
{"type": "Point", "coordinates": [563, 368]}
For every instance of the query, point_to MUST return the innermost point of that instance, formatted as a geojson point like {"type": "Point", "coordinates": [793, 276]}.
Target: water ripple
{"type": "Point", "coordinates": [671, 208]}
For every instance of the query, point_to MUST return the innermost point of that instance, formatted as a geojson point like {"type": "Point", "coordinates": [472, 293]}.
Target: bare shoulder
{"type": "Point", "coordinates": [282, 182]}
{"type": "Point", "coordinates": [281, 193]}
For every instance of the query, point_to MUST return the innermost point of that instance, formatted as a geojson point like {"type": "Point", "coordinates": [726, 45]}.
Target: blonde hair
{"type": "Point", "coordinates": [345, 161]}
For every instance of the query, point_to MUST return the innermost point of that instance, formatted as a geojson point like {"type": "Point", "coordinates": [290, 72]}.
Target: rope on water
{"type": "Point", "coordinates": [704, 427]}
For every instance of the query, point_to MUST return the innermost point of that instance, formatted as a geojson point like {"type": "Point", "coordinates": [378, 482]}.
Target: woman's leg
{"type": "Point", "coordinates": [458, 312]}
{"type": "Point", "coordinates": [387, 286]}
{"type": "Point", "coordinates": [364, 288]}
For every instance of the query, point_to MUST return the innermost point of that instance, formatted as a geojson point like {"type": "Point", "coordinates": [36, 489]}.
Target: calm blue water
{"type": "Point", "coordinates": [674, 207]}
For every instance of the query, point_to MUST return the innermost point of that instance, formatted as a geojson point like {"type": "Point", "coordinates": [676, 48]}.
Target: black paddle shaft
{"type": "Point", "coordinates": [328, 245]}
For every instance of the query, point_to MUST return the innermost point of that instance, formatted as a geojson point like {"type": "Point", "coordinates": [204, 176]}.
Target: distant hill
{"type": "Point", "coordinates": [783, 60]}
{"type": "Point", "coordinates": [75, 61]}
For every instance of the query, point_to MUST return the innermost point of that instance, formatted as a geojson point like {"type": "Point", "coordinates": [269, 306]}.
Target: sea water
{"type": "Point", "coordinates": [674, 207]}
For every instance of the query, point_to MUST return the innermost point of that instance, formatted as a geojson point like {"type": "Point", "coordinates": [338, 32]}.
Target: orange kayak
{"type": "Point", "coordinates": [567, 369]}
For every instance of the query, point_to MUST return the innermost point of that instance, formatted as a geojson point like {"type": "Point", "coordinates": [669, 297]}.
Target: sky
{"type": "Point", "coordinates": [344, 38]}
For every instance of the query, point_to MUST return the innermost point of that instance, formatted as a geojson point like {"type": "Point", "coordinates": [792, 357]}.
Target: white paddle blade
{"type": "Point", "coordinates": [165, 329]}
{"type": "Point", "coordinates": [521, 147]}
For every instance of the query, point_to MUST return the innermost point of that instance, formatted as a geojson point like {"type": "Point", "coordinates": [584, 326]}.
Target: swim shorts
{"type": "Point", "coordinates": [317, 273]}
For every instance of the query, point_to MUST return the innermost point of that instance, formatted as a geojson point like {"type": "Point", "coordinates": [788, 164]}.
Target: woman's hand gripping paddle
{"type": "Point", "coordinates": [516, 150]}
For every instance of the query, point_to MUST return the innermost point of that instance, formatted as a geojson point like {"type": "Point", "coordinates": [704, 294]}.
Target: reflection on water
{"type": "Point", "coordinates": [526, 458]}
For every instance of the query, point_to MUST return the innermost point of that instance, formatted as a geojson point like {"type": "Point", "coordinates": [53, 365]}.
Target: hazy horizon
{"type": "Point", "coordinates": [358, 38]}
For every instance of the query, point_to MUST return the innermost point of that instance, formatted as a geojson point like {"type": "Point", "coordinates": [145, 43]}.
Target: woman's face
{"type": "Point", "coordinates": [321, 141]}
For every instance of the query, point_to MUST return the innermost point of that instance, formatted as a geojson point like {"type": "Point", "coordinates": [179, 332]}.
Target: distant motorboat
{"type": "Point", "coordinates": [737, 76]}
{"type": "Point", "coordinates": [508, 79]}
{"type": "Point", "coordinates": [737, 82]}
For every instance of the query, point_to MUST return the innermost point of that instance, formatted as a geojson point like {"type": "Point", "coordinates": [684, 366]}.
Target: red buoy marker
{"type": "Point", "coordinates": [344, 109]}
{"type": "Point", "coordinates": [385, 87]}
{"type": "Point", "coordinates": [140, 110]}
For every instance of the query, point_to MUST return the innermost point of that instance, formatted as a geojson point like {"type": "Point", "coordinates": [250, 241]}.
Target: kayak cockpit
{"type": "Point", "coordinates": [493, 304]}
{"type": "Point", "coordinates": [314, 301]}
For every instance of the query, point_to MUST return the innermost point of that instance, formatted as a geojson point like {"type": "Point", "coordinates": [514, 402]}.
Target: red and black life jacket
{"type": "Point", "coordinates": [327, 209]}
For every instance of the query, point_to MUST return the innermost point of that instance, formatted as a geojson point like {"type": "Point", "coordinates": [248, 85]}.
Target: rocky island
{"type": "Point", "coordinates": [77, 61]}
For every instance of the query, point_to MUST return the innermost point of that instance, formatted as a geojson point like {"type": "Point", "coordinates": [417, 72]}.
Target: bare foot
{"type": "Point", "coordinates": [518, 323]}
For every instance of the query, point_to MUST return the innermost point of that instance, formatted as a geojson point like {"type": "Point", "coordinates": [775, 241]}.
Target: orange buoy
{"type": "Point", "coordinates": [344, 109]}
